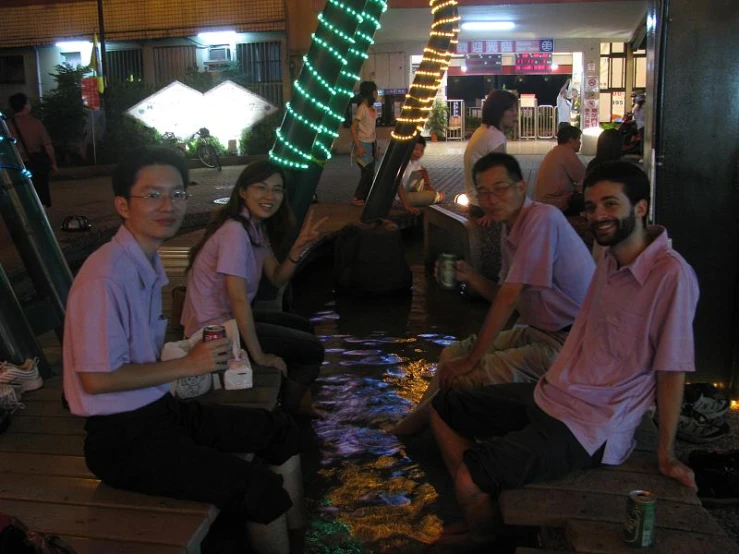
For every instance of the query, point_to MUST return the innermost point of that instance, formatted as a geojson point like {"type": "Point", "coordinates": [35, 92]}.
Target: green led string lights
{"type": "Point", "coordinates": [349, 75]}
{"type": "Point", "coordinates": [312, 111]}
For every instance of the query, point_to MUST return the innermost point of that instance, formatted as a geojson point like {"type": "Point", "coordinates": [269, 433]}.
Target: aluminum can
{"type": "Point", "coordinates": [213, 332]}
{"type": "Point", "coordinates": [446, 271]}
{"type": "Point", "coordinates": [640, 521]}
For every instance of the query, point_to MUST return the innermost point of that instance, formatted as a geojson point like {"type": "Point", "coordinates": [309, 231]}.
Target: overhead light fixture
{"type": "Point", "coordinates": [488, 25]}
{"type": "Point", "coordinates": [464, 69]}
{"type": "Point", "coordinates": [218, 37]}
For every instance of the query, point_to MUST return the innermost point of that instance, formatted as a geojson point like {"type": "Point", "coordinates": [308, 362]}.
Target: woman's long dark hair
{"type": "Point", "coordinates": [276, 226]}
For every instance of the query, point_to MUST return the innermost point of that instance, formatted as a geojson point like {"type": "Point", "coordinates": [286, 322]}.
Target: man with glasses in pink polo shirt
{"type": "Point", "coordinates": [545, 273]}
{"type": "Point", "coordinates": [138, 436]}
{"type": "Point", "coordinates": [631, 343]}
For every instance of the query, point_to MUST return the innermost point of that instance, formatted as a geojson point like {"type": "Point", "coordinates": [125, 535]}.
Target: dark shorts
{"type": "Point", "coordinates": [517, 442]}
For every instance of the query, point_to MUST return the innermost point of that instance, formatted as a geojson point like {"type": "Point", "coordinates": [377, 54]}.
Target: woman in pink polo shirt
{"type": "Point", "coordinates": [227, 265]}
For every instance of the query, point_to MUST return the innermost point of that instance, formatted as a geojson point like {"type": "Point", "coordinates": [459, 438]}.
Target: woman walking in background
{"type": "Point", "coordinates": [34, 145]}
{"type": "Point", "coordinates": [365, 139]}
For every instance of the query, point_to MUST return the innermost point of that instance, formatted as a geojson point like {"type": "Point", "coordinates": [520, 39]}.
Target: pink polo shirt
{"type": "Point", "coordinates": [229, 251]}
{"type": "Point", "coordinates": [114, 317]}
{"type": "Point", "coordinates": [636, 320]}
{"type": "Point", "coordinates": [543, 252]}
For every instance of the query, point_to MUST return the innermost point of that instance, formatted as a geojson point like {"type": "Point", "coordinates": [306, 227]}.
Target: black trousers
{"type": "Point", "coordinates": [187, 450]}
{"type": "Point", "coordinates": [290, 337]}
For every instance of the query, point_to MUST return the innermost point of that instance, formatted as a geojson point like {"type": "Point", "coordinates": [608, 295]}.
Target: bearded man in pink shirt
{"type": "Point", "coordinates": [632, 342]}
{"type": "Point", "coordinates": [138, 436]}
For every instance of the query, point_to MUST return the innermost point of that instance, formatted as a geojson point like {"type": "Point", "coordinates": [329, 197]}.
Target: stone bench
{"type": "Point", "coordinates": [446, 229]}
{"type": "Point", "coordinates": [47, 485]}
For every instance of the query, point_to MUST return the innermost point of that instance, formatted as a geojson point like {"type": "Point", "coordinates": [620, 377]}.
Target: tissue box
{"type": "Point", "coordinates": [239, 374]}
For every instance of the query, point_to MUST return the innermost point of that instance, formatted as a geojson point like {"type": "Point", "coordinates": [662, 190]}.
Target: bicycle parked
{"type": "Point", "coordinates": [201, 141]}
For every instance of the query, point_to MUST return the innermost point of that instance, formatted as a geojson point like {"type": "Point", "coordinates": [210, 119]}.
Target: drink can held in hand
{"type": "Point", "coordinates": [213, 332]}
{"type": "Point", "coordinates": [446, 271]}
{"type": "Point", "coordinates": [640, 519]}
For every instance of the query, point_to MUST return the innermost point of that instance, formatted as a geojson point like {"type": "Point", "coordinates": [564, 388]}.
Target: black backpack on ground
{"type": "Point", "coordinates": [369, 259]}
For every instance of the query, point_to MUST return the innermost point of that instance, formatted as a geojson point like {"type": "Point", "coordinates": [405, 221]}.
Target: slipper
{"type": "Point", "coordinates": [357, 201]}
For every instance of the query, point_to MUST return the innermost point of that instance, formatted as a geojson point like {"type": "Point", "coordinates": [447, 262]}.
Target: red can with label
{"type": "Point", "coordinates": [214, 332]}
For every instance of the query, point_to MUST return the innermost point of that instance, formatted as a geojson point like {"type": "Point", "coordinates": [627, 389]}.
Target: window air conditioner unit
{"type": "Point", "coordinates": [218, 55]}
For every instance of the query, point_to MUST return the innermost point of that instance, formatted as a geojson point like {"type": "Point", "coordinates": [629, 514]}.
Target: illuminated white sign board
{"type": "Point", "coordinates": [226, 110]}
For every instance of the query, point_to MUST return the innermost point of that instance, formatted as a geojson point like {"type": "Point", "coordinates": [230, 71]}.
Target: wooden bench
{"type": "Point", "coordinates": [46, 484]}
{"type": "Point", "coordinates": [590, 506]}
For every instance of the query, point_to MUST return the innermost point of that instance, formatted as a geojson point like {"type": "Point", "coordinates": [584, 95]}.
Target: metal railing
{"type": "Point", "coordinates": [547, 122]}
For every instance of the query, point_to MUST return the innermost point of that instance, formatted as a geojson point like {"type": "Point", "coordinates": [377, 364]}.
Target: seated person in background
{"type": "Point", "coordinates": [608, 149]}
{"type": "Point", "coordinates": [561, 172]}
{"type": "Point", "coordinates": [226, 266]}
{"type": "Point", "coordinates": [415, 189]}
{"type": "Point", "coordinates": [545, 274]}
{"type": "Point", "coordinates": [632, 339]}
{"type": "Point", "coordinates": [138, 436]}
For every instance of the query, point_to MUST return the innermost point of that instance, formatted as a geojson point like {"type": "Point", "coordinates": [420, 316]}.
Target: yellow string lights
{"type": "Point", "coordinates": [430, 73]}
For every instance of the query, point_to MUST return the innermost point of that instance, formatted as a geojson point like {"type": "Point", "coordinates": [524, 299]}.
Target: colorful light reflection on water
{"type": "Point", "coordinates": [380, 356]}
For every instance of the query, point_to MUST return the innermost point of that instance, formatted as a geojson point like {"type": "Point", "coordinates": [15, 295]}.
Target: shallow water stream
{"type": "Point", "coordinates": [366, 490]}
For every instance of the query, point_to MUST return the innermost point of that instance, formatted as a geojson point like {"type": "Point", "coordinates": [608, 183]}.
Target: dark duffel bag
{"type": "Point", "coordinates": [369, 259]}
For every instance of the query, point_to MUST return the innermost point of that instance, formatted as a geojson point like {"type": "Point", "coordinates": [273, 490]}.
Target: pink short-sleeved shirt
{"type": "Point", "coordinates": [635, 321]}
{"type": "Point", "coordinates": [543, 252]}
{"type": "Point", "coordinates": [229, 251]}
{"type": "Point", "coordinates": [114, 317]}
{"type": "Point", "coordinates": [560, 169]}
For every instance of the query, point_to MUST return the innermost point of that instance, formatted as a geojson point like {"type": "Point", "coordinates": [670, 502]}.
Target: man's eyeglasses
{"type": "Point", "coordinates": [176, 196]}
{"type": "Point", "coordinates": [498, 190]}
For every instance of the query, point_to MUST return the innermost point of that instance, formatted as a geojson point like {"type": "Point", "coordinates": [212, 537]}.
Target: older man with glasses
{"type": "Point", "coordinates": [546, 270]}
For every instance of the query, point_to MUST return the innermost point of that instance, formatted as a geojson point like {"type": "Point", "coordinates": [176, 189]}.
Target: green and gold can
{"type": "Point", "coordinates": [640, 521]}
{"type": "Point", "coordinates": [446, 271]}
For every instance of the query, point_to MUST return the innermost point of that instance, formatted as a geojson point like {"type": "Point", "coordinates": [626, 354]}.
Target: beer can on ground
{"type": "Point", "coordinates": [446, 271]}
{"type": "Point", "coordinates": [640, 519]}
{"type": "Point", "coordinates": [213, 332]}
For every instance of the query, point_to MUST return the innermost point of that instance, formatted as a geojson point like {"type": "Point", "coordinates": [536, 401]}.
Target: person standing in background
{"type": "Point", "coordinates": [499, 115]}
{"type": "Point", "coordinates": [564, 104]}
{"type": "Point", "coordinates": [34, 145]}
{"type": "Point", "coordinates": [365, 139]}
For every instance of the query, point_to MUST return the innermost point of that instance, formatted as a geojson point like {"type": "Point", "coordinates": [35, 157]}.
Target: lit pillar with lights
{"type": "Point", "coordinates": [415, 112]}
{"type": "Point", "coordinates": [29, 228]}
{"type": "Point", "coordinates": [312, 116]}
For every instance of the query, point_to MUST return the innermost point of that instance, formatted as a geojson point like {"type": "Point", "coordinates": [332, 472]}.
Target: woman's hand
{"type": "Point", "coordinates": [270, 360]}
{"type": "Point", "coordinates": [309, 233]}
{"type": "Point", "coordinates": [358, 150]}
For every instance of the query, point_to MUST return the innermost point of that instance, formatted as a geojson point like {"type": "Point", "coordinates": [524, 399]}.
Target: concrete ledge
{"type": "Point", "coordinates": [448, 232]}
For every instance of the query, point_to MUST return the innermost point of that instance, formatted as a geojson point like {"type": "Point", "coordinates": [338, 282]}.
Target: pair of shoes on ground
{"type": "Point", "coordinates": [701, 416]}
{"type": "Point", "coordinates": [717, 475]}
{"type": "Point", "coordinates": [15, 380]}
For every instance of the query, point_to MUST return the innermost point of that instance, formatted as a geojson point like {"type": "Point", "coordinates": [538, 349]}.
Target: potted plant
{"type": "Point", "coordinates": [438, 120]}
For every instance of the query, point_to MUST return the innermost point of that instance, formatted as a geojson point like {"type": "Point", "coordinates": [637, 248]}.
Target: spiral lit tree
{"type": "Point", "coordinates": [29, 228]}
{"type": "Point", "coordinates": [415, 111]}
{"type": "Point", "coordinates": [322, 92]}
